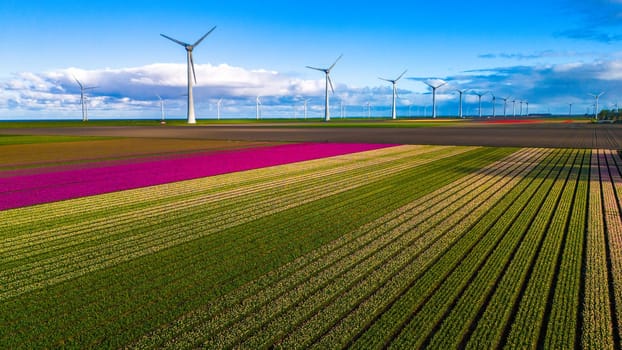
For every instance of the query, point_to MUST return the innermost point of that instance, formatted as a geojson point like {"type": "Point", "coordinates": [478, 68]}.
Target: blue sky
{"type": "Point", "coordinates": [550, 53]}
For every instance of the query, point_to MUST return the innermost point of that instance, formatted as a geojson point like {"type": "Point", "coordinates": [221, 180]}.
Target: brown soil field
{"type": "Point", "coordinates": [524, 135]}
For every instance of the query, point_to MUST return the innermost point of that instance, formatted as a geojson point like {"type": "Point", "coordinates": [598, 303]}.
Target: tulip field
{"type": "Point", "coordinates": [312, 245]}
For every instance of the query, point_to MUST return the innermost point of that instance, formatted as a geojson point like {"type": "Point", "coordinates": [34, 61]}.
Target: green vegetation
{"type": "Point", "coordinates": [27, 139]}
{"type": "Point", "coordinates": [403, 247]}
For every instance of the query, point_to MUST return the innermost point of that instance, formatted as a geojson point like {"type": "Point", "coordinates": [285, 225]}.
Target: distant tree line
{"type": "Point", "coordinates": [614, 115]}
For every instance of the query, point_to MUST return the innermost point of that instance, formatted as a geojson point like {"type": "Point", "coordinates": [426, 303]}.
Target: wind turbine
{"type": "Point", "coordinates": [161, 109]}
{"type": "Point", "coordinates": [258, 107]}
{"type": "Point", "coordinates": [85, 112]}
{"type": "Point", "coordinates": [305, 108]}
{"type": "Point", "coordinates": [434, 87]}
{"type": "Point", "coordinates": [514, 108]}
{"type": "Point", "coordinates": [191, 72]}
{"type": "Point", "coordinates": [218, 106]}
{"type": "Point", "coordinates": [570, 110]}
{"type": "Point", "coordinates": [479, 95]}
{"type": "Point", "coordinates": [328, 82]}
{"type": "Point", "coordinates": [394, 82]}
{"type": "Point", "coordinates": [596, 97]}
{"type": "Point", "coordinates": [494, 103]}
{"type": "Point", "coordinates": [368, 110]}
{"type": "Point", "coordinates": [461, 92]}
{"type": "Point", "coordinates": [505, 105]}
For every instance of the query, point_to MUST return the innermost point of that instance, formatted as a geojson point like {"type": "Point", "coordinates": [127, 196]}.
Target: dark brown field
{"type": "Point", "coordinates": [527, 135]}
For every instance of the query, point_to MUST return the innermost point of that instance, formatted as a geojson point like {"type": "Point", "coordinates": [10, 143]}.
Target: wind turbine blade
{"type": "Point", "coordinates": [390, 81]}
{"type": "Point", "coordinates": [175, 40]}
{"type": "Point", "coordinates": [203, 37]}
{"type": "Point", "coordinates": [192, 67]}
{"type": "Point", "coordinates": [79, 83]}
{"type": "Point", "coordinates": [330, 82]}
{"type": "Point", "coordinates": [320, 69]}
{"type": "Point", "coordinates": [401, 75]}
{"type": "Point", "coordinates": [337, 60]}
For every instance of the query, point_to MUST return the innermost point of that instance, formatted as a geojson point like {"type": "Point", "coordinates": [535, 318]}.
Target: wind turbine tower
{"type": "Point", "coordinates": [434, 88]}
{"type": "Point", "coordinates": [85, 112]}
{"type": "Point", "coordinates": [258, 107]}
{"type": "Point", "coordinates": [494, 104]}
{"type": "Point", "coordinates": [394, 82]}
{"type": "Point", "coordinates": [161, 109]}
{"type": "Point", "coordinates": [218, 106]}
{"type": "Point", "coordinates": [461, 92]}
{"type": "Point", "coordinates": [328, 82]}
{"type": "Point", "coordinates": [305, 108]}
{"type": "Point", "coordinates": [479, 96]}
{"type": "Point", "coordinates": [191, 72]}
{"type": "Point", "coordinates": [596, 97]}
{"type": "Point", "coordinates": [505, 106]}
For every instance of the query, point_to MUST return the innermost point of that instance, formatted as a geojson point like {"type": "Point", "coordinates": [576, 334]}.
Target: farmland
{"type": "Point", "coordinates": [405, 246]}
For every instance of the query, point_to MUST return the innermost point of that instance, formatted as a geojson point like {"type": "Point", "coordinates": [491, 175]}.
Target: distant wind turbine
{"type": "Point", "coordinates": [85, 112]}
{"type": "Point", "coordinates": [434, 88]}
{"type": "Point", "coordinates": [461, 92]}
{"type": "Point", "coordinates": [218, 106]}
{"type": "Point", "coordinates": [305, 108]}
{"type": "Point", "coordinates": [328, 82]}
{"type": "Point", "coordinates": [479, 95]}
{"type": "Point", "coordinates": [368, 110]}
{"type": "Point", "coordinates": [191, 72]}
{"type": "Point", "coordinates": [514, 108]}
{"type": "Point", "coordinates": [494, 103]}
{"type": "Point", "coordinates": [161, 109]}
{"type": "Point", "coordinates": [258, 107]}
{"type": "Point", "coordinates": [505, 105]}
{"type": "Point", "coordinates": [596, 97]}
{"type": "Point", "coordinates": [394, 82]}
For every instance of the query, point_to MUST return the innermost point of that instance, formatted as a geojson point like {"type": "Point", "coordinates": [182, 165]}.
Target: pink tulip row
{"type": "Point", "coordinates": [20, 191]}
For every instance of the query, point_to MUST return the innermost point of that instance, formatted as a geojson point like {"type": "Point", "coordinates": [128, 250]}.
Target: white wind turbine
{"type": "Point", "coordinates": [328, 82]}
{"type": "Point", "coordinates": [218, 106]}
{"type": "Point", "coordinates": [305, 107]}
{"type": "Point", "coordinates": [596, 97]}
{"type": "Point", "coordinates": [85, 112]}
{"type": "Point", "coordinates": [479, 96]}
{"type": "Point", "coordinates": [191, 72]}
{"type": "Point", "coordinates": [494, 105]}
{"type": "Point", "coordinates": [434, 88]}
{"type": "Point", "coordinates": [461, 92]}
{"type": "Point", "coordinates": [161, 109]}
{"type": "Point", "coordinates": [258, 107]}
{"type": "Point", "coordinates": [394, 82]}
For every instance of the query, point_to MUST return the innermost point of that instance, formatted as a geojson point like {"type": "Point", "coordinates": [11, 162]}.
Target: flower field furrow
{"type": "Point", "coordinates": [378, 275]}
{"type": "Point", "coordinates": [272, 284]}
{"type": "Point", "coordinates": [100, 256]}
{"type": "Point", "coordinates": [528, 322]}
{"type": "Point", "coordinates": [379, 282]}
{"type": "Point", "coordinates": [395, 244]}
{"type": "Point", "coordinates": [488, 331]}
{"type": "Point", "coordinates": [414, 333]}
{"type": "Point", "coordinates": [282, 175]}
{"type": "Point", "coordinates": [396, 313]}
{"type": "Point", "coordinates": [611, 207]}
{"type": "Point", "coordinates": [597, 324]}
{"type": "Point", "coordinates": [103, 326]}
{"type": "Point", "coordinates": [390, 247]}
{"type": "Point", "coordinates": [462, 314]}
{"type": "Point", "coordinates": [563, 323]}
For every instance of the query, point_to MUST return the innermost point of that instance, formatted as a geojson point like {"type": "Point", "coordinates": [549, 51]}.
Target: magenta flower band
{"type": "Point", "coordinates": [26, 190]}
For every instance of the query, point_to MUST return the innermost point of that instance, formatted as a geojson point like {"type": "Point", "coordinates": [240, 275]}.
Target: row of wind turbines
{"type": "Point", "coordinates": [192, 79]}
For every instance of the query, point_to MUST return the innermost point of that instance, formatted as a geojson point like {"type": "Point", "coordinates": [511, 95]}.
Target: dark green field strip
{"type": "Point", "coordinates": [344, 291]}
{"type": "Point", "coordinates": [263, 291]}
{"type": "Point", "coordinates": [356, 306]}
{"type": "Point", "coordinates": [563, 323]}
{"type": "Point", "coordinates": [398, 313]}
{"type": "Point", "coordinates": [528, 323]}
{"type": "Point", "coordinates": [497, 318]}
{"type": "Point", "coordinates": [413, 335]}
{"type": "Point", "coordinates": [28, 139]}
{"type": "Point", "coordinates": [23, 220]}
{"type": "Point", "coordinates": [462, 314]}
{"type": "Point", "coordinates": [122, 303]}
{"type": "Point", "coordinates": [596, 317]}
